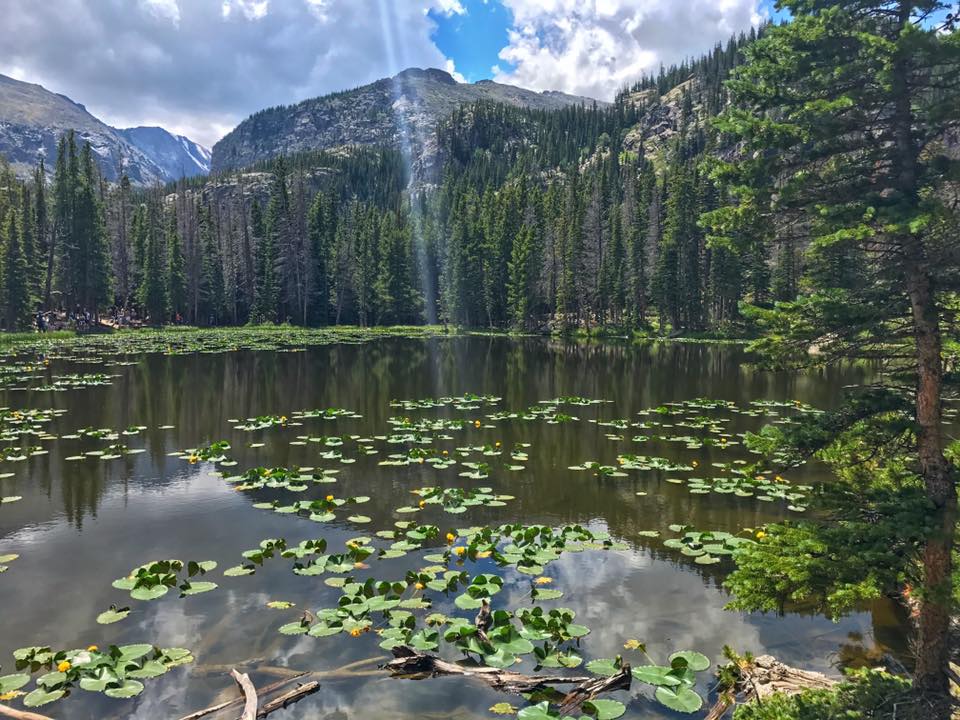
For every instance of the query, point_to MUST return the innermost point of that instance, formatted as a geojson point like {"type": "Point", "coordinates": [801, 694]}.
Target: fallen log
{"type": "Point", "coordinates": [585, 692]}
{"type": "Point", "coordinates": [760, 677]}
{"type": "Point", "coordinates": [408, 663]}
{"type": "Point", "coordinates": [8, 711]}
{"type": "Point", "coordinates": [249, 695]}
{"type": "Point", "coordinates": [289, 698]}
{"type": "Point", "coordinates": [266, 690]}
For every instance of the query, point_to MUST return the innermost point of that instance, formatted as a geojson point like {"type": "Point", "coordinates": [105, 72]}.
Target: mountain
{"type": "Point", "coordinates": [32, 119]}
{"type": "Point", "coordinates": [177, 155]}
{"type": "Point", "coordinates": [398, 111]}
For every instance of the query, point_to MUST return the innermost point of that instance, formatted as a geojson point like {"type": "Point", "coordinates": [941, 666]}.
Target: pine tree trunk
{"type": "Point", "coordinates": [933, 649]}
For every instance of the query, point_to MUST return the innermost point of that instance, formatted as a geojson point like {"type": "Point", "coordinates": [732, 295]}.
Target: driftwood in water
{"type": "Point", "coordinates": [250, 702]}
{"type": "Point", "coordinates": [416, 665]}
{"type": "Point", "coordinates": [764, 676]}
{"type": "Point", "coordinates": [266, 690]}
{"type": "Point", "coordinates": [8, 711]}
{"type": "Point", "coordinates": [289, 698]}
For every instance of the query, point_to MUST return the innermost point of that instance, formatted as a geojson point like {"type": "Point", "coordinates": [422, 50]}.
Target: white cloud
{"type": "Point", "coordinates": [451, 7]}
{"type": "Point", "coordinates": [198, 67]}
{"type": "Point", "coordinates": [451, 68]}
{"type": "Point", "coordinates": [596, 47]}
{"type": "Point", "coordinates": [165, 9]}
{"type": "Point", "coordinates": [251, 9]}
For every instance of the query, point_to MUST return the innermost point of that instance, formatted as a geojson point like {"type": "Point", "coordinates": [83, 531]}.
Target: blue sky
{"type": "Point", "coordinates": [473, 39]}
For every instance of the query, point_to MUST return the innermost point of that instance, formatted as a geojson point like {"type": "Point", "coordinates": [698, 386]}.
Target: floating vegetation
{"type": "Point", "coordinates": [326, 414]}
{"type": "Point", "coordinates": [320, 510]}
{"type": "Point", "coordinates": [116, 673]}
{"type": "Point", "coordinates": [215, 452]}
{"type": "Point", "coordinates": [18, 453]}
{"type": "Point", "coordinates": [152, 580]}
{"type": "Point", "coordinates": [5, 560]}
{"type": "Point", "coordinates": [467, 401]}
{"type": "Point", "coordinates": [705, 547]}
{"type": "Point", "coordinates": [16, 423]}
{"type": "Point", "coordinates": [457, 500]}
{"type": "Point", "coordinates": [293, 479]}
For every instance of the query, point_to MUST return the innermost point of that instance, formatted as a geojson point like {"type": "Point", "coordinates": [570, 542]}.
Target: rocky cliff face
{"type": "Point", "coordinates": [32, 119]}
{"type": "Point", "coordinates": [402, 110]}
{"type": "Point", "coordinates": [176, 155]}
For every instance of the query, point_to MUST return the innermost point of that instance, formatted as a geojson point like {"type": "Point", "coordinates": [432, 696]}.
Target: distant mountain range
{"type": "Point", "coordinates": [32, 119]}
{"type": "Point", "coordinates": [394, 111]}
{"type": "Point", "coordinates": [400, 111]}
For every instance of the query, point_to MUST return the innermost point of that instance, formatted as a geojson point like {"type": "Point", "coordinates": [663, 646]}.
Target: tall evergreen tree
{"type": "Point", "coordinates": [152, 293]}
{"type": "Point", "coordinates": [176, 275]}
{"type": "Point", "coordinates": [15, 298]}
{"type": "Point", "coordinates": [264, 307]}
{"type": "Point", "coordinates": [841, 113]}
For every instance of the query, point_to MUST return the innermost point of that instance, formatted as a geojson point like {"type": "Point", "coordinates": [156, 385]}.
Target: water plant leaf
{"type": "Point", "coordinates": [114, 614]}
{"type": "Point", "coordinates": [681, 699]}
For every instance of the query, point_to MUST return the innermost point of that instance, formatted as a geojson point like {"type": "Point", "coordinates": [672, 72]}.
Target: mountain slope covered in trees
{"type": "Point", "coordinates": [401, 111]}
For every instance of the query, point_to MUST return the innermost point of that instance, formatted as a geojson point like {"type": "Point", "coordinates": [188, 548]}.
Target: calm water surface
{"type": "Point", "coordinates": [80, 525]}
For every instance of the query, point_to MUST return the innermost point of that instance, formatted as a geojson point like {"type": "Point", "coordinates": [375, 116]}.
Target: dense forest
{"type": "Point", "coordinates": [532, 220]}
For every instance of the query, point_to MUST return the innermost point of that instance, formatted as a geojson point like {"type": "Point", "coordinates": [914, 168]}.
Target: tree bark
{"type": "Point", "coordinates": [933, 649]}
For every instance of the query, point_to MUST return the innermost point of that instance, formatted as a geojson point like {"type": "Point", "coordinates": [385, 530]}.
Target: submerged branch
{"type": "Point", "coordinates": [409, 663]}
{"type": "Point", "coordinates": [8, 711]}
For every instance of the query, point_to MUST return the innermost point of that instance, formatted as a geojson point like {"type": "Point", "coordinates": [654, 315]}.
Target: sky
{"type": "Point", "coordinates": [198, 67]}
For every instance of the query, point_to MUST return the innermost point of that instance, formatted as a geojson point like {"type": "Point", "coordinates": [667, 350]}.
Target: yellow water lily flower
{"type": "Point", "coordinates": [483, 554]}
{"type": "Point", "coordinates": [694, 463]}
{"type": "Point", "coordinates": [450, 538]}
{"type": "Point", "coordinates": [418, 586]}
{"type": "Point", "coordinates": [460, 551]}
{"type": "Point", "coordinates": [193, 459]}
{"type": "Point", "coordinates": [761, 534]}
{"type": "Point", "coordinates": [476, 423]}
{"type": "Point", "coordinates": [422, 503]}
{"type": "Point", "coordinates": [63, 666]}
{"type": "Point", "coordinates": [329, 498]}
{"type": "Point", "coordinates": [543, 580]}
{"type": "Point", "coordinates": [92, 648]}
{"type": "Point", "coordinates": [355, 632]}
{"type": "Point", "coordinates": [10, 695]}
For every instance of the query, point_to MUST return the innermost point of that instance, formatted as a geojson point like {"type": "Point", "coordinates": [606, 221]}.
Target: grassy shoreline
{"type": "Point", "coordinates": [181, 338]}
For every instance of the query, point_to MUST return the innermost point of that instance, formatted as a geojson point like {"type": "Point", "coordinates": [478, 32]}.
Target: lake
{"type": "Point", "coordinates": [83, 523]}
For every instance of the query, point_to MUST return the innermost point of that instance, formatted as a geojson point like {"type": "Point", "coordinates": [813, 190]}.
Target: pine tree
{"type": "Point", "coordinates": [152, 293]}
{"type": "Point", "coordinates": [320, 231]}
{"type": "Point", "coordinates": [15, 298]}
{"type": "Point", "coordinates": [176, 276]}
{"type": "Point", "coordinates": [400, 301]}
{"type": "Point", "coordinates": [841, 113]}
{"type": "Point", "coordinates": [265, 287]}
{"type": "Point", "coordinates": [212, 286]}
{"type": "Point", "coordinates": [519, 285]}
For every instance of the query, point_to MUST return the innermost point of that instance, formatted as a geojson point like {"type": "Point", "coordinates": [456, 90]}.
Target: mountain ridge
{"type": "Point", "coordinates": [33, 118]}
{"type": "Point", "coordinates": [402, 110]}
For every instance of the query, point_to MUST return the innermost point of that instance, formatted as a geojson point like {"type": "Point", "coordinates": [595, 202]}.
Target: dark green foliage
{"type": "Point", "coordinates": [15, 295]}
{"type": "Point", "coordinates": [176, 277]}
{"type": "Point", "coordinates": [152, 294]}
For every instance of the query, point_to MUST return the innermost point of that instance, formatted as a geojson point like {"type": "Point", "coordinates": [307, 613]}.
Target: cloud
{"type": "Point", "coordinates": [198, 67]}
{"type": "Point", "coordinates": [596, 47]}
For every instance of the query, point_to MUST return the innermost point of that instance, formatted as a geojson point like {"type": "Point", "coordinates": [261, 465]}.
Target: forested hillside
{"type": "Point", "coordinates": [529, 219]}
